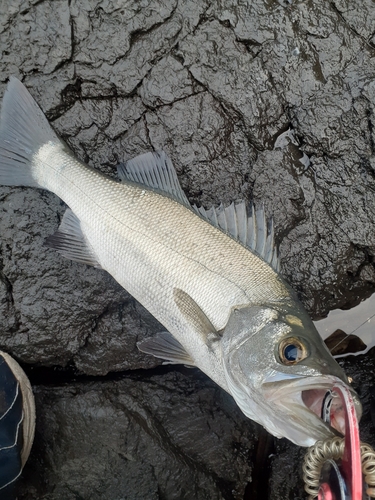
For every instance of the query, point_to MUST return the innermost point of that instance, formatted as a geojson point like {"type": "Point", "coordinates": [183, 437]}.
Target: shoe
{"type": "Point", "coordinates": [17, 424]}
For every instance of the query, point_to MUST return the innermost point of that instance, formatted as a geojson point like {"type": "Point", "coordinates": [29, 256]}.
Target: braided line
{"type": "Point", "coordinates": [334, 449]}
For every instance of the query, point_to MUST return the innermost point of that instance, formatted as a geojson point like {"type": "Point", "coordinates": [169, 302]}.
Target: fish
{"type": "Point", "coordinates": [210, 277]}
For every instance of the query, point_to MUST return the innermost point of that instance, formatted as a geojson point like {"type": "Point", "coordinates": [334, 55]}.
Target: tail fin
{"type": "Point", "coordinates": [23, 130]}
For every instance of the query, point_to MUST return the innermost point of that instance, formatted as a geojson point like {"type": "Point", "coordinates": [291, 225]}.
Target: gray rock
{"type": "Point", "coordinates": [217, 85]}
{"type": "Point", "coordinates": [168, 434]}
{"type": "Point", "coordinates": [171, 435]}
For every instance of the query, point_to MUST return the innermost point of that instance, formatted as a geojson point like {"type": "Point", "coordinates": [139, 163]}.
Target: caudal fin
{"type": "Point", "coordinates": [23, 130]}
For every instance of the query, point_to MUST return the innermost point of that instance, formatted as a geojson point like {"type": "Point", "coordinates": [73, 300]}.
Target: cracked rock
{"type": "Point", "coordinates": [208, 146]}
{"type": "Point", "coordinates": [167, 82]}
{"type": "Point", "coordinates": [27, 22]}
{"type": "Point", "coordinates": [267, 101]}
{"type": "Point", "coordinates": [159, 436]}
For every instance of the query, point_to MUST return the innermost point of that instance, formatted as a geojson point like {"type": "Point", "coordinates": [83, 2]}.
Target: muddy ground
{"type": "Point", "coordinates": [271, 101]}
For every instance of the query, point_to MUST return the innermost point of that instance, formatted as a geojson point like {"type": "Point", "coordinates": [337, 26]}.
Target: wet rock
{"type": "Point", "coordinates": [23, 21]}
{"type": "Point", "coordinates": [361, 369]}
{"type": "Point", "coordinates": [170, 435]}
{"type": "Point", "coordinates": [167, 82]}
{"type": "Point", "coordinates": [215, 85]}
{"type": "Point", "coordinates": [201, 146]}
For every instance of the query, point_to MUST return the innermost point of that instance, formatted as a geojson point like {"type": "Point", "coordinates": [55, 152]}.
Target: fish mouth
{"type": "Point", "coordinates": [327, 405]}
{"type": "Point", "coordinates": [315, 401]}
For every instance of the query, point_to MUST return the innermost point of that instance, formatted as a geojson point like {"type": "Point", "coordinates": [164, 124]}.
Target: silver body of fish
{"type": "Point", "coordinates": [227, 310]}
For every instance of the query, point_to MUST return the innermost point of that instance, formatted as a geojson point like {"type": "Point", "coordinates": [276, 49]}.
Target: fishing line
{"type": "Point", "coordinates": [342, 340]}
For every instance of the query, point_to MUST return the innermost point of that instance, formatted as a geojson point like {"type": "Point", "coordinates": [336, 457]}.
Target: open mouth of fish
{"type": "Point", "coordinates": [314, 397]}
{"type": "Point", "coordinates": [327, 405]}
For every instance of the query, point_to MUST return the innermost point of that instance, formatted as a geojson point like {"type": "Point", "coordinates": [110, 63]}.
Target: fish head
{"type": "Point", "coordinates": [282, 375]}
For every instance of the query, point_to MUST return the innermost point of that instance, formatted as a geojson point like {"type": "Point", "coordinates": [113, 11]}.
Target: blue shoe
{"type": "Point", "coordinates": [17, 424]}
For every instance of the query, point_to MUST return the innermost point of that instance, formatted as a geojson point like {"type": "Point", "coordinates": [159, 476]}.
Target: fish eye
{"type": "Point", "coordinates": [292, 351]}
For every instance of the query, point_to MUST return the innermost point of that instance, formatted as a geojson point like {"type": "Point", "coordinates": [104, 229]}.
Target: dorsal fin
{"type": "Point", "coordinates": [155, 171]}
{"type": "Point", "coordinates": [70, 241]}
{"type": "Point", "coordinates": [246, 225]}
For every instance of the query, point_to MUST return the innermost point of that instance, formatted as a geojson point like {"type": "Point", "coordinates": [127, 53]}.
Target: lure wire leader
{"type": "Point", "coordinates": [326, 406]}
{"type": "Point", "coordinates": [333, 448]}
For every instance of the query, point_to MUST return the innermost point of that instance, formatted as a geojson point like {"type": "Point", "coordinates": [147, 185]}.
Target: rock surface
{"type": "Point", "coordinates": [216, 85]}
{"type": "Point", "coordinates": [168, 435]}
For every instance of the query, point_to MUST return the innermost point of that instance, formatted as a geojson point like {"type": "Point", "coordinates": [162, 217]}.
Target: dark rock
{"type": "Point", "coordinates": [215, 84]}
{"type": "Point", "coordinates": [171, 435]}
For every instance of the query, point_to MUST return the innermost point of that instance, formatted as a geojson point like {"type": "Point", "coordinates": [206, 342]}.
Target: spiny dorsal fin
{"type": "Point", "coordinates": [165, 346]}
{"type": "Point", "coordinates": [70, 241]}
{"type": "Point", "coordinates": [155, 171]}
{"type": "Point", "coordinates": [248, 226]}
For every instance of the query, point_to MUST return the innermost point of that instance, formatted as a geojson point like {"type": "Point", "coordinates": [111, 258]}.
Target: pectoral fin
{"type": "Point", "coordinates": [195, 316]}
{"type": "Point", "coordinates": [165, 346]}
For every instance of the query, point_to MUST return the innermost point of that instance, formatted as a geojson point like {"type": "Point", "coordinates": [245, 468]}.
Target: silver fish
{"type": "Point", "coordinates": [210, 277]}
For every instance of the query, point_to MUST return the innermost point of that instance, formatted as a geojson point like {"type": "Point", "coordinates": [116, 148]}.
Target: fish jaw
{"type": "Point", "coordinates": [282, 413]}
{"type": "Point", "coordinates": [301, 400]}
{"type": "Point", "coordinates": [292, 408]}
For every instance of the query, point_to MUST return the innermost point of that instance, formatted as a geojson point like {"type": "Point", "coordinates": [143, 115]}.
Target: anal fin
{"type": "Point", "coordinates": [165, 346]}
{"type": "Point", "coordinates": [70, 241]}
